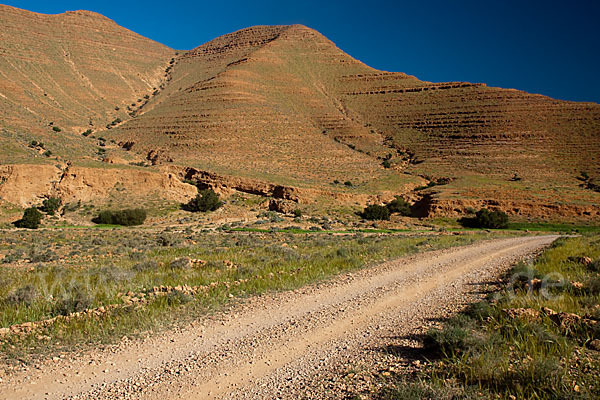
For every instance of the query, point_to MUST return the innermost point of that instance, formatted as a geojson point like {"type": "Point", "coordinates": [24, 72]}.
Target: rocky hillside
{"type": "Point", "coordinates": [282, 108]}
{"type": "Point", "coordinates": [73, 71]}
{"type": "Point", "coordinates": [286, 105]}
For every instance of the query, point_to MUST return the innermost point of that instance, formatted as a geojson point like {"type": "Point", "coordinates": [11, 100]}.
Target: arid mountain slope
{"type": "Point", "coordinates": [74, 71]}
{"type": "Point", "coordinates": [285, 104]}
{"type": "Point", "coordinates": [258, 103]}
{"type": "Point", "coordinates": [282, 105]}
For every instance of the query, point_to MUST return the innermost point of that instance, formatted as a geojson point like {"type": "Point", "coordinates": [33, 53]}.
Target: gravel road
{"type": "Point", "coordinates": [284, 345]}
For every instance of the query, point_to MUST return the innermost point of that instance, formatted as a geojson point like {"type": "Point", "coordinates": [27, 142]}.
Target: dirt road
{"type": "Point", "coordinates": [286, 345]}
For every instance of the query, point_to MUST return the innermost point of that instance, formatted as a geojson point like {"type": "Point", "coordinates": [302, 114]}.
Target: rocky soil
{"type": "Point", "coordinates": [322, 341]}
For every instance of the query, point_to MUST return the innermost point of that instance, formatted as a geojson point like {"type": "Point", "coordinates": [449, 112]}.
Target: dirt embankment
{"type": "Point", "coordinates": [28, 184]}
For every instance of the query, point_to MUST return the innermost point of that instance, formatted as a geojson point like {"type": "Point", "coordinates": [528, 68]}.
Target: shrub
{"type": "Point", "coordinates": [399, 206]}
{"type": "Point", "coordinates": [376, 212]}
{"type": "Point", "coordinates": [348, 183]}
{"type": "Point", "coordinates": [51, 205]}
{"type": "Point", "coordinates": [40, 254]}
{"type": "Point", "coordinates": [77, 299]}
{"type": "Point", "coordinates": [386, 164]}
{"type": "Point", "coordinates": [47, 153]}
{"type": "Point", "coordinates": [25, 295]}
{"type": "Point", "coordinates": [128, 217]}
{"type": "Point", "coordinates": [31, 219]}
{"type": "Point", "coordinates": [148, 265]}
{"type": "Point", "coordinates": [206, 200]}
{"type": "Point", "coordinates": [181, 263]}
{"type": "Point", "coordinates": [178, 298]}
{"type": "Point", "coordinates": [297, 213]}
{"type": "Point", "coordinates": [166, 239]}
{"type": "Point", "coordinates": [87, 133]}
{"type": "Point", "coordinates": [485, 218]}
{"type": "Point", "coordinates": [456, 336]}
{"type": "Point", "coordinates": [56, 129]}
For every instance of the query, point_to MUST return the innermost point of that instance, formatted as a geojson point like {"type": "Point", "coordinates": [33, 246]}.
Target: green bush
{"type": "Point", "coordinates": [376, 212]}
{"type": "Point", "coordinates": [485, 218]}
{"type": "Point", "coordinates": [31, 219]}
{"type": "Point", "coordinates": [128, 217]}
{"type": "Point", "coordinates": [56, 129]}
{"type": "Point", "coordinates": [206, 200]}
{"type": "Point", "coordinates": [386, 164]}
{"type": "Point", "coordinates": [399, 206]}
{"type": "Point", "coordinates": [51, 205]}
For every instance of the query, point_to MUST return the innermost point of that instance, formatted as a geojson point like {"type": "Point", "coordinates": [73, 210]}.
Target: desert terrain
{"type": "Point", "coordinates": [265, 216]}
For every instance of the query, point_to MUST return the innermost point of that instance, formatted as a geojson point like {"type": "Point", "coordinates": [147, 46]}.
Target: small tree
{"type": "Point", "coordinates": [51, 205]}
{"type": "Point", "coordinates": [206, 200]}
{"type": "Point", "coordinates": [485, 218]}
{"type": "Point", "coordinates": [128, 217]}
{"type": "Point", "coordinates": [376, 212]}
{"type": "Point", "coordinates": [399, 206]}
{"type": "Point", "coordinates": [31, 219]}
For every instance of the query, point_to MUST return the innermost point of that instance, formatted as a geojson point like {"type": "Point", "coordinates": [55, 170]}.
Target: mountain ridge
{"type": "Point", "coordinates": [283, 104]}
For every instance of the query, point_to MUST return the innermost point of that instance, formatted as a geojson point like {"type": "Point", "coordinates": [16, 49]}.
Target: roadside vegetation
{"type": "Point", "coordinates": [117, 273]}
{"type": "Point", "coordinates": [537, 339]}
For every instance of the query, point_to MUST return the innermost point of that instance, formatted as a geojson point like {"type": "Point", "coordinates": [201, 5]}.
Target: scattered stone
{"type": "Point", "coordinates": [528, 314]}
{"type": "Point", "coordinates": [577, 285]}
{"type": "Point", "coordinates": [534, 284]}
{"type": "Point", "coordinates": [548, 311]}
{"type": "Point", "coordinates": [583, 260]}
{"type": "Point", "coordinates": [565, 320]}
{"type": "Point", "coordinates": [594, 345]}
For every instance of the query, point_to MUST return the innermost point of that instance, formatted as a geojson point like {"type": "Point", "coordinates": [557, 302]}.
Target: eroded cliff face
{"type": "Point", "coordinates": [432, 207]}
{"type": "Point", "coordinates": [28, 184]}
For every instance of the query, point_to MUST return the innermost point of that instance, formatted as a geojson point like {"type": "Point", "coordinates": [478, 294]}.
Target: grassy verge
{"type": "Point", "coordinates": [534, 340]}
{"type": "Point", "coordinates": [52, 273]}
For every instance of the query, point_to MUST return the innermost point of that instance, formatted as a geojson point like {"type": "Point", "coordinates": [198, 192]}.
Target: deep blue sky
{"type": "Point", "coordinates": [548, 47]}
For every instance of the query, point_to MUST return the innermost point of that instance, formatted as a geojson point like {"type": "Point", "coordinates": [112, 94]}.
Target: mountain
{"type": "Point", "coordinates": [73, 71]}
{"type": "Point", "coordinates": [281, 111]}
